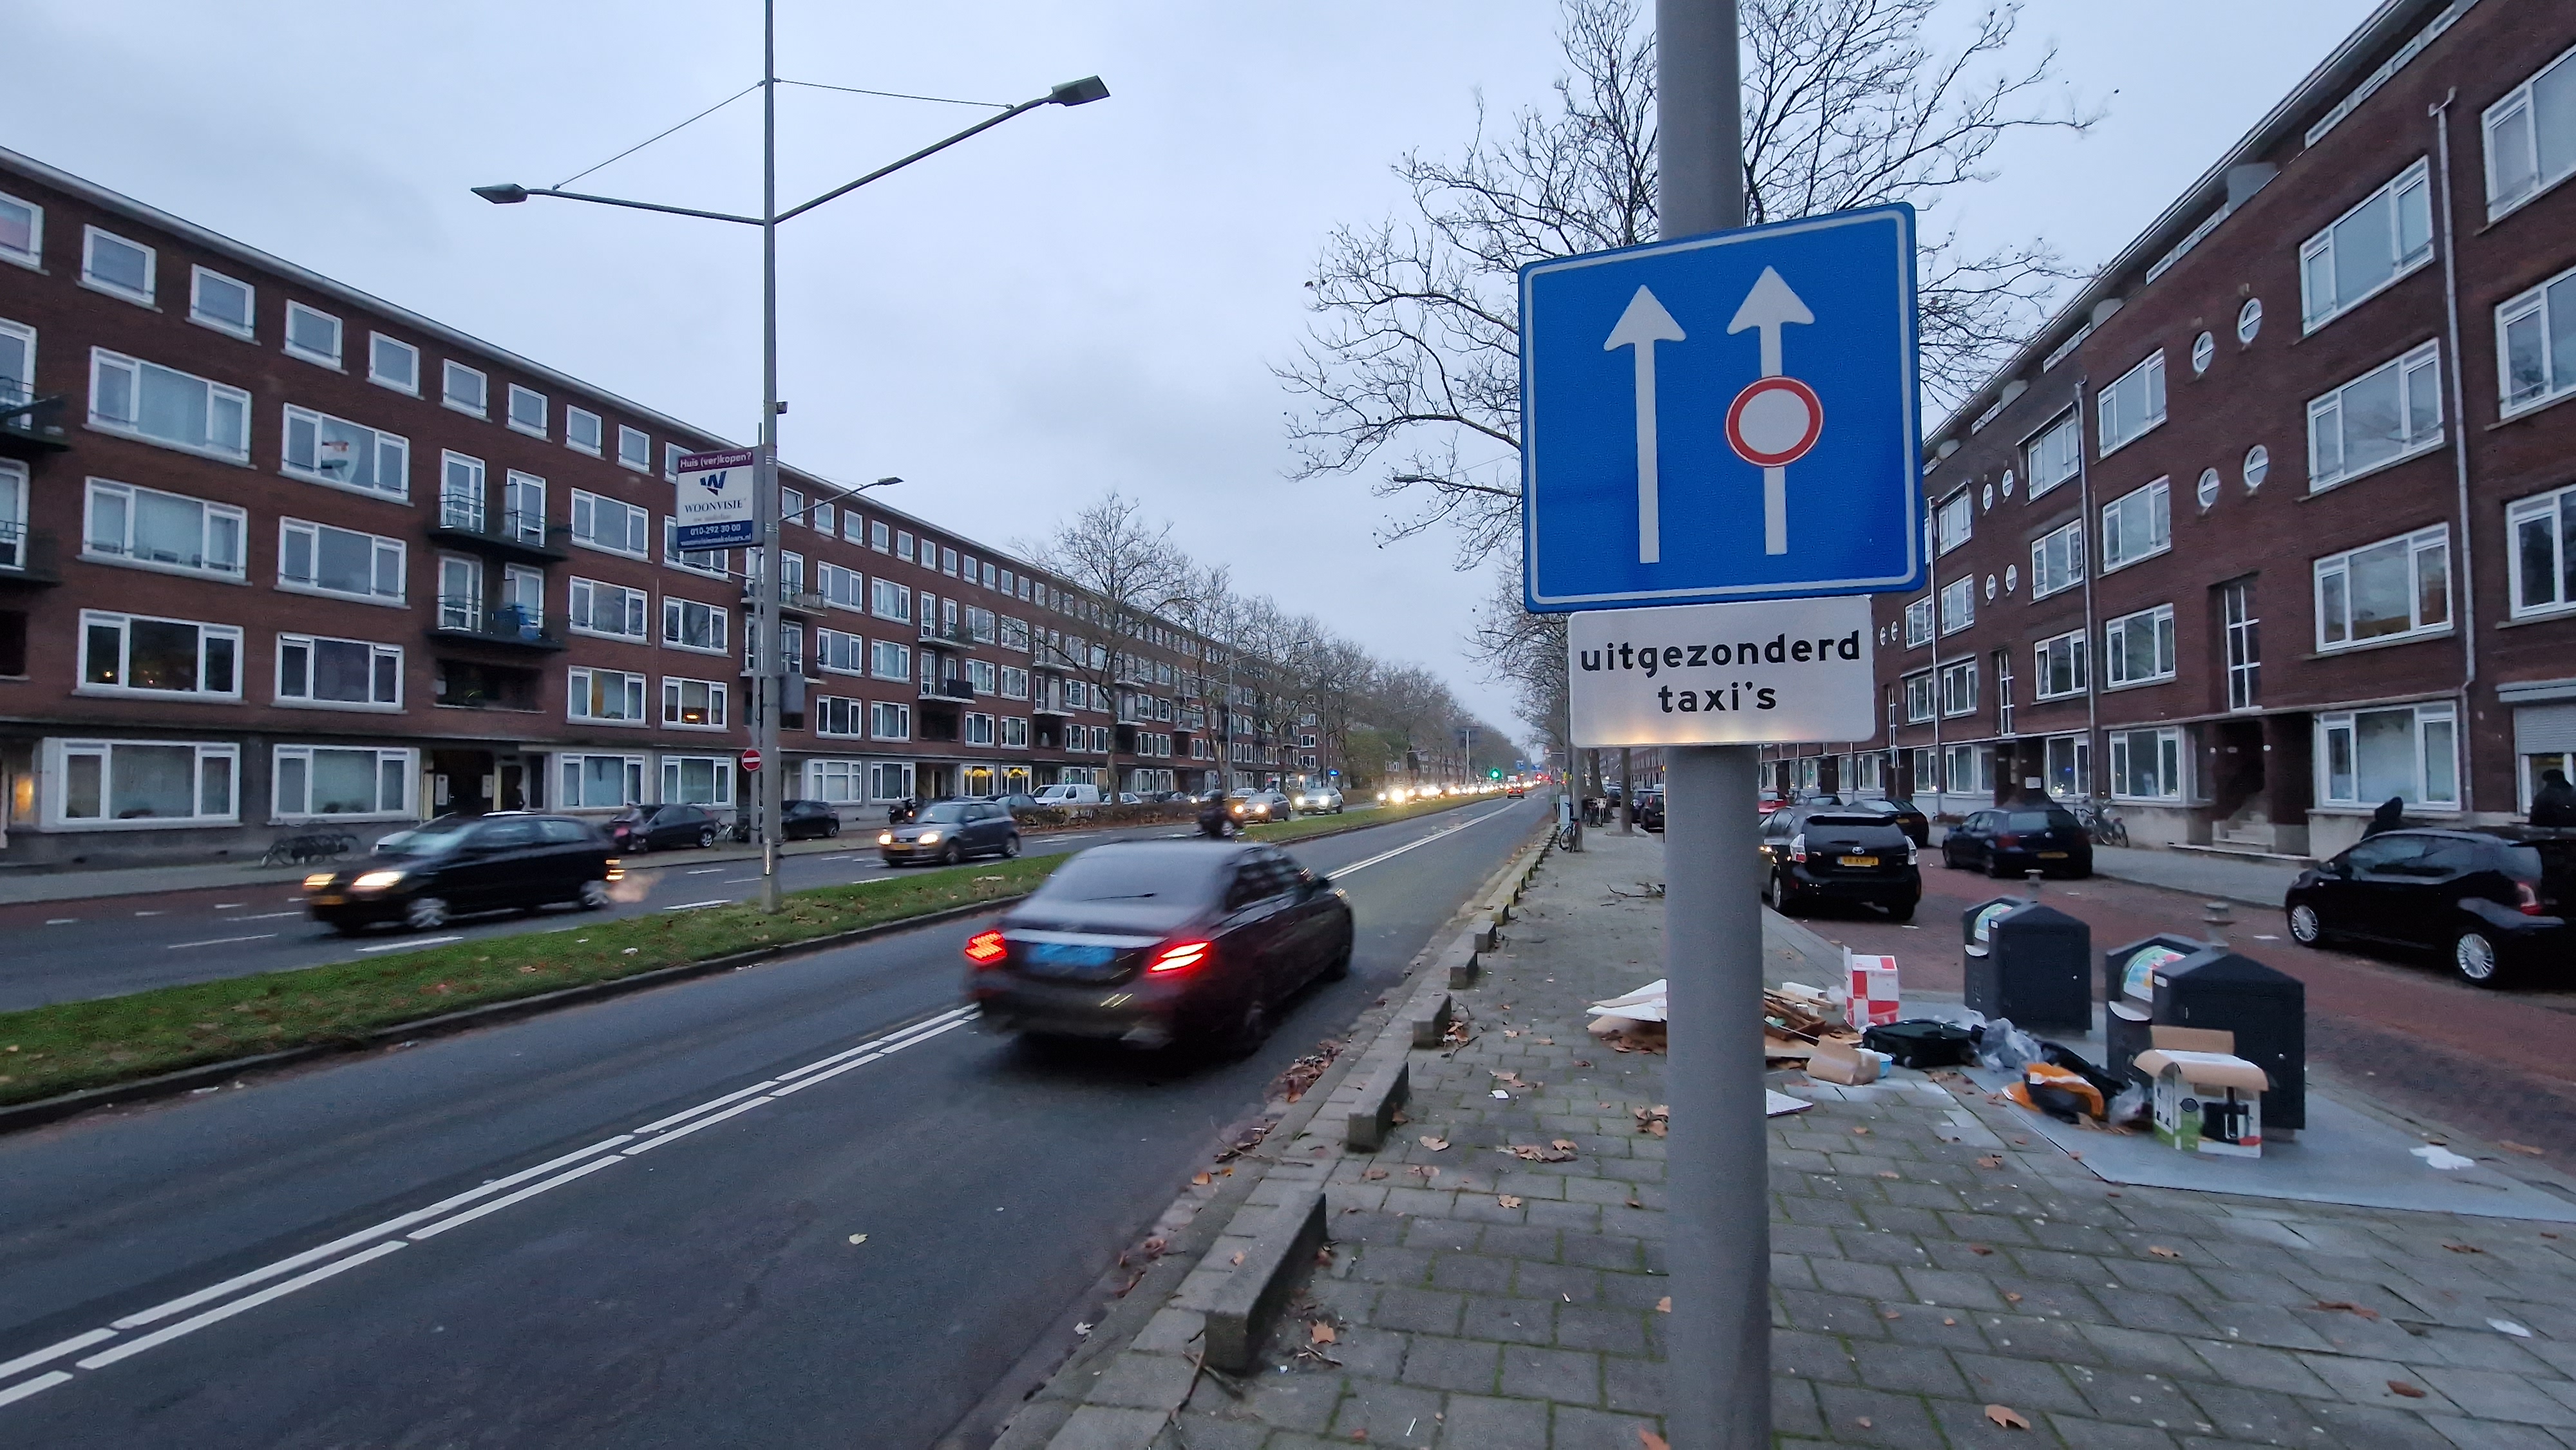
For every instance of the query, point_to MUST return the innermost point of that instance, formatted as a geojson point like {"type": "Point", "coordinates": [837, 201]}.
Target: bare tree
{"type": "Point", "coordinates": [1414, 359]}
{"type": "Point", "coordinates": [1528, 650]}
{"type": "Point", "coordinates": [1131, 577]}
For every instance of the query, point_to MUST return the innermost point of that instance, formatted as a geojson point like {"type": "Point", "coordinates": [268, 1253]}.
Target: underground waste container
{"type": "Point", "coordinates": [2129, 996]}
{"type": "Point", "coordinates": [2226, 991]}
{"type": "Point", "coordinates": [2037, 970]}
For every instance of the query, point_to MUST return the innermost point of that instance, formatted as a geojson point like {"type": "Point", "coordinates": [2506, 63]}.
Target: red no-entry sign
{"type": "Point", "coordinates": [749, 760]}
{"type": "Point", "coordinates": [1774, 421]}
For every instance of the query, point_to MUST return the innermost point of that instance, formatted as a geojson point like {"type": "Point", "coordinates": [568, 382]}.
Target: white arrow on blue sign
{"type": "Point", "coordinates": [1758, 439]}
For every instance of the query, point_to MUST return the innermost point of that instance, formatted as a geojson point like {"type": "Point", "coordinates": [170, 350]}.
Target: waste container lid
{"type": "Point", "coordinates": [2224, 969]}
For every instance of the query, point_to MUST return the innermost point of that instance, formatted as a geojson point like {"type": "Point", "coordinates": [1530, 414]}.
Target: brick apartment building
{"type": "Point", "coordinates": [276, 553]}
{"type": "Point", "coordinates": [2277, 519]}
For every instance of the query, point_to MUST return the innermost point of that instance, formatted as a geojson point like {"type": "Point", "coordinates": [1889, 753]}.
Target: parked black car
{"type": "Point", "coordinates": [1021, 802]}
{"type": "Point", "coordinates": [1836, 853]}
{"type": "Point", "coordinates": [660, 828]}
{"type": "Point", "coordinates": [806, 820]}
{"type": "Point", "coordinates": [950, 831]}
{"type": "Point", "coordinates": [1650, 808]}
{"type": "Point", "coordinates": [2494, 901]}
{"type": "Point", "coordinates": [457, 865]}
{"type": "Point", "coordinates": [2008, 842]}
{"type": "Point", "coordinates": [1916, 825]}
{"type": "Point", "coordinates": [1154, 942]}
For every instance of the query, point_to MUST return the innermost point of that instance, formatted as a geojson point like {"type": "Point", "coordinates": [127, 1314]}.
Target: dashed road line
{"type": "Point", "coordinates": [220, 941]}
{"type": "Point", "coordinates": [414, 944]}
{"type": "Point", "coordinates": [701, 905]}
{"type": "Point", "coordinates": [62, 921]}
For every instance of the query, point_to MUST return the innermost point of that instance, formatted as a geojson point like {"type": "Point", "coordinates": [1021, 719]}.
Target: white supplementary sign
{"type": "Point", "coordinates": [714, 506]}
{"type": "Point", "coordinates": [1723, 674]}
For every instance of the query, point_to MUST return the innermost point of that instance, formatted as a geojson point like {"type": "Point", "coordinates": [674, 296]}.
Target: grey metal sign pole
{"type": "Point", "coordinates": [1719, 1237]}
{"type": "Point", "coordinates": [769, 680]}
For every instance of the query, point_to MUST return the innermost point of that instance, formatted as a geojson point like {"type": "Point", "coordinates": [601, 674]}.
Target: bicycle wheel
{"type": "Point", "coordinates": [2118, 832]}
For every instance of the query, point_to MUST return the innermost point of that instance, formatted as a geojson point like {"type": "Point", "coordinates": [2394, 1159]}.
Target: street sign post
{"type": "Point", "coordinates": [716, 506]}
{"type": "Point", "coordinates": [1759, 440]}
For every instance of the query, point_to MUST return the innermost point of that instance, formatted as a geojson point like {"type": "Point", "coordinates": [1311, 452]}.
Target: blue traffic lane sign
{"type": "Point", "coordinates": [1723, 417]}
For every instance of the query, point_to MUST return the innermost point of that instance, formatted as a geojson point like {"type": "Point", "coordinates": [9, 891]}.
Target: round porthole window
{"type": "Point", "coordinates": [2249, 319]}
{"type": "Point", "coordinates": [1990, 589]}
{"type": "Point", "coordinates": [2258, 462]}
{"type": "Point", "coordinates": [2012, 577]}
{"type": "Point", "coordinates": [2008, 482]}
{"type": "Point", "coordinates": [1989, 497]}
{"type": "Point", "coordinates": [2203, 348]}
{"type": "Point", "coordinates": [2208, 490]}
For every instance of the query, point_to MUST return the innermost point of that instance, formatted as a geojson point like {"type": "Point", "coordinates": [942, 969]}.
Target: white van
{"type": "Point", "coordinates": [1069, 795]}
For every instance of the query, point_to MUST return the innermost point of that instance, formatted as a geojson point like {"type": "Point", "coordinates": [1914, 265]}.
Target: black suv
{"type": "Point", "coordinates": [1813, 852]}
{"type": "Point", "coordinates": [457, 865]}
{"type": "Point", "coordinates": [2493, 900]}
{"type": "Point", "coordinates": [658, 828]}
{"type": "Point", "coordinates": [808, 819]}
{"type": "Point", "coordinates": [2010, 841]}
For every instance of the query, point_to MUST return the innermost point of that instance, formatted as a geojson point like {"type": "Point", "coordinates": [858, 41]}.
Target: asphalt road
{"type": "Point", "coordinates": [521, 1236]}
{"type": "Point", "coordinates": [69, 951]}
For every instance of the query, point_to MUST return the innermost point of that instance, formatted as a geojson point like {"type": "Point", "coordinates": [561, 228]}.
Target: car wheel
{"type": "Point", "coordinates": [1226, 828]}
{"type": "Point", "coordinates": [955, 853]}
{"type": "Point", "coordinates": [1901, 911]}
{"type": "Point", "coordinates": [1011, 846]}
{"type": "Point", "coordinates": [832, 828]}
{"type": "Point", "coordinates": [640, 845]}
{"type": "Point", "coordinates": [2306, 928]}
{"type": "Point", "coordinates": [2474, 957]}
{"type": "Point", "coordinates": [707, 838]}
{"type": "Point", "coordinates": [594, 895]}
{"type": "Point", "coordinates": [1994, 867]}
{"type": "Point", "coordinates": [1251, 1029]}
{"type": "Point", "coordinates": [1783, 900]}
{"type": "Point", "coordinates": [1340, 966]}
{"type": "Point", "coordinates": [426, 913]}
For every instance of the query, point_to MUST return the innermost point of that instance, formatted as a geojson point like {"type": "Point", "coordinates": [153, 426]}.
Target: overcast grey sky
{"type": "Point", "coordinates": [1082, 299]}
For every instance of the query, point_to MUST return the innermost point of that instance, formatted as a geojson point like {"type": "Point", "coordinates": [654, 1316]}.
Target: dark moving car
{"type": "Point", "coordinates": [950, 831]}
{"type": "Point", "coordinates": [1155, 942]}
{"type": "Point", "coordinates": [1916, 825]}
{"type": "Point", "coordinates": [1650, 808]}
{"type": "Point", "coordinates": [805, 820]}
{"type": "Point", "coordinates": [660, 828]}
{"type": "Point", "coordinates": [2493, 901]}
{"type": "Point", "coordinates": [1837, 853]}
{"type": "Point", "coordinates": [2010, 841]}
{"type": "Point", "coordinates": [457, 865]}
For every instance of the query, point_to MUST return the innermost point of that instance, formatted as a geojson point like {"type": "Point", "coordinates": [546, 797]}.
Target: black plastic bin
{"type": "Point", "coordinates": [2129, 996]}
{"type": "Point", "coordinates": [2227, 991]}
{"type": "Point", "coordinates": [2037, 970]}
{"type": "Point", "coordinates": [1969, 936]}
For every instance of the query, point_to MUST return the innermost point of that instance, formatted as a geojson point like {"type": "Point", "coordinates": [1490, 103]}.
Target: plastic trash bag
{"type": "Point", "coordinates": [2129, 1105]}
{"type": "Point", "coordinates": [2006, 1048]}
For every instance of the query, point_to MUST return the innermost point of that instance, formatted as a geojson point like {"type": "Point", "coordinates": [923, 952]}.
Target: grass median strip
{"type": "Point", "coordinates": [74, 1045]}
{"type": "Point", "coordinates": [1290, 830]}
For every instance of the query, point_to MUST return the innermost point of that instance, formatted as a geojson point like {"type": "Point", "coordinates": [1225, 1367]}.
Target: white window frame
{"type": "Point", "coordinates": [377, 346]}
{"type": "Point", "coordinates": [2415, 180]}
{"type": "Point", "coordinates": [882, 589]}
{"type": "Point", "coordinates": [14, 389]}
{"type": "Point", "coordinates": [479, 403]}
{"type": "Point", "coordinates": [316, 356]}
{"type": "Point", "coordinates": [543, 427]}
{"type": "Point", "coordinates": [880, 711]}
{"type": "Point", "coordinates": [89, 277]}
{"type": "Point", "coordinates": [2150, 373]}
{"type": "Point", "coordinates": [58, 754]}
{"type": "Point", "coordinates": [123, 556]}
{"type": "Point", "coordinates": [121, 622]}
{"type": "Point", "coordinates": [2419, 546]}
{"type": "Point", "coordinates": [2430, 723]}
{"type": "Point", "coordinates": [2419, 366]}
{"type": "Point", "coordinates": [1957, 519]}
{"type": "Point", "coordinates": [720, 778]}
{"type": "Point", "coordinates": [380, 446]}
{"type": "Point", "coordinates": [1918, 622]}
{"type": "Point", "coordinates": [2535, 306]}
{"type": "Point", "coordinates": [672, 453]}
{"type": "Point", "coordinates": [2170, 757]}
{"type": "Point", "coordinates": [2069, 424]}
{"type": "Point", "coordinates": [675, 703]}
{"type": "Point", "coordinates": [1961, 591]}
{"type": "Point", "coordinates": [2156, 500]}
{"type": "Point", "coordinates": [586, 599]}
{"type": "Point", "coordinates": [1922, 702]}
{"type": "Point", "coordinates": [382, 552]}
{"type": "Point", "coordinates": [633, 691]}
{"type": "Point", "coordinates": [1015, 732]}
{"type": "Point", "coordinates": [2499, 116]}
{"type": "Point", "coordinates": [839, 652]}
{"type": "Point", "coordinates": [572, 771]}
{"type": "Point", "coordinates": [400, 768]}
{"type": "Point", "coordinates": [34, 255]}
{"type": "Point", "coordinates": [1958, 688]}
{"type": "Point", "coordinates": [576, 422]}
{"type": "Point", "coordinates": [377, 654]}
{"type": "Point", "coordinates": [586, 502]}
{"type": "Point", "coordinates": [2163, 648]}
{"type": "Point", "coordinates": [2063, 546]}
{"type": "Point", "coordinates": [2556, 511]}
{"type": "Point", "coordinates": [977, 729]}
{"type": "Point", "coordinates": [675, 614]}
{"type": "Point", "coordinates": [841, 587]}
{"type": "Point", "coordinates": [247, 329]}
{"type": "Point", "coordinates": [713, 563]}
{"type": "Point", "coordinates": [222, 402]}
{"type": "Point", "coordinates": [840, 781]}
{"type": "Point", "coordinates": [2048, 654]}
{"type": "Point", "coordinates": [839, 717]}
{"type": "Point", "coordinates": [882, 650]}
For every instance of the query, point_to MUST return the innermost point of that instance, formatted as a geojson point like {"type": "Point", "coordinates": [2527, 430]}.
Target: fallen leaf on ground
{"type": "Point", "coordinates": [1948, 1320]}
{"type": "Point", "coordinates": [1889, 1314]}
{"type": "Point", "coordinates": [1238, 1256]}
{"type": "Point", "coordinates": [1321, 1334]}
{"type": "Point", "coordinates": [1990, 1161]}
{"type": "Point", "coordinates": [1649, 1440]}
{"type": "Point", "coordinates": [1544, 1041]}
{"type": "Point", "coordinates": [1507, 1200]}
{"type": "Point", "coordinates": [1980, 1250]}
{"type": "Point", "coordinates": [2011, 1298]}
{"type": "Point", "coordinates": [2007, 1417]}
{"type": "Point", "coordinates": [1635, 1202]}
{"type": "Point", "coordinates": [1664, 1305]}
{"type": "Point", "coordinates": [858, 1238]}
{"type": "Point", "coordinates": [2464, 1248]}
{"type": "Point", "coordinates": [1372, 1174]}
{"type": "Point", "coordinates": [1863, 1421]}
{"type": "Point", "coordinates": [1887, 1173]}
{"type": "Point", "coordinates": [2348, 1307]}
{"type": "Point", "coordinates": [1565, 1144]}
{"type": "Point", "coordinates": [1424, 1171]}
{"type": "Point", "coordinates": [2511, 1146]}
{"type": "Point", "coordinates": [2161, 1252]}
{"type": "Point", "coordinates": [1202, 1179]}
{"type": "Point", "coordinates": [1398, 1116]}
{"type": "Point", "coordinates": [2401, 1387]}
{"type": "Point", "coordinates": [1435, 1144]}
{"type": "Point", "coordinates": [1864, 1132]}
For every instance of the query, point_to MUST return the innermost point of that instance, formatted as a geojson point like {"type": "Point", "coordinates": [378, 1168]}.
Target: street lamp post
{"type": "Point", "coordinates": [769, 648]}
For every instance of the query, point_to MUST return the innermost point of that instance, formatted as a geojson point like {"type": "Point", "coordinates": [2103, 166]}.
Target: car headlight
{"type": "Point", "coordinates": [930, 838]}
{"type": "Point", "coordinates": [377, 881]}
{"type": "Point", "coordinates": [317, 880]}
{"type": "Point", "coordinates": [885, 838]}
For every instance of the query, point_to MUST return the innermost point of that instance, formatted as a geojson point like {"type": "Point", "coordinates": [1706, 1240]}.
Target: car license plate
{"type": "Point", "coordinates": [2052, 855]}
{"type": "Point", "coordinates": [1068, 954]}
{"type": "Point", "coordinates": [329, 900]}
{"type": "Point", "coordinates": [1860, 860]}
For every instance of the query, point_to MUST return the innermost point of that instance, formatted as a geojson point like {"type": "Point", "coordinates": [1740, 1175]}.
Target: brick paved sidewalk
{"type": "Point", "coordinates": [1941, 1275]}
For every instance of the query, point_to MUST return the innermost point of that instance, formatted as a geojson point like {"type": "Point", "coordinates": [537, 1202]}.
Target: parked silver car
{"type": "Point", "coordinates": [1318, 800]}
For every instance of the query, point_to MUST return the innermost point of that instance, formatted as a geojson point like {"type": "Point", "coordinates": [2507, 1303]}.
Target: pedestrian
{"type": "Point", "coordinates": [2390, 815]}
{"type": "Point", "coordinates": [2554, 804]}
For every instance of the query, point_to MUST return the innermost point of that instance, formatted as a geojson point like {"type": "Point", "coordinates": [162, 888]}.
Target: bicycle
{"type": "Point", "coordinates": [309, 847]}
{"type": "Point", "coordinates": [2102, 827]}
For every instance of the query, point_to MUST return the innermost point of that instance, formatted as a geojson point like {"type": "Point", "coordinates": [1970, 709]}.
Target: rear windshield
{"type": "Point", "coordinates": [945, 811]}
{"type": "Point", "coordinates": [2522, 863]}
{"type": "Point", "coordinates": [2041, 821]}
{"type": "Point", "coordinates": [1845, 818]}
{"type": "Point", "coordinates": [1166, 877]}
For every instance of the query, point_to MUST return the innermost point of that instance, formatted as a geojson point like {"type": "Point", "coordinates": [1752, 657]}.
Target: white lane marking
{"type": "Point", "coordinates": [795, 1087]}
{"type": "Point", "coordinates": [181, 946]}
{"type": "Point", "coordinates": [230, 905]}
{"type": "Point", "coordinates": [268, 916]}
{"type": "Point", "coordinates": [392, 1225]}
{"type": "Point", "coordinates": [55, 1351]}
{"type": "Point", "coordinates": [1364, 864]}
{"type": "Point", "coordinates": [832, 858]}
{"type": "Point", "coordinates": [738, 880]}
{"type": "Point", "coordinates": [704, 870]}
{"type": "Point", "coordinates": [62, 921]}
{"type": "Point", "coordinates": [796, 1072]}
{"type": "Point", "coordinates": [226, 1311]}
{"type": "Point", "coordinates": [709, 1121]}
{"type": "Point", "coordinates": [496, 1205]}
{"type": "Point", "coordinates": [147, 913]}
{"type": "Point", "coordinates": [15, 1393]}
{"type": "Point", "coordinates": [684, 1114]}
{"type": "Point", "coordinates": [412, 945]}
{"type": "Point", "coordinates": [700, 905]}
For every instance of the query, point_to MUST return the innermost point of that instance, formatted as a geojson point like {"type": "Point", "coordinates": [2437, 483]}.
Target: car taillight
{"type": "Point", "coordinates": [1798, 847]}
{"type": "Point", "coordinates": [1181, 956]}
{"type": "Point", "coordinates": [985, 948]}
{"type": "Point", "coordinates": [2008, 842]}
{"type": "Point", "coordinates": [2526, 900]}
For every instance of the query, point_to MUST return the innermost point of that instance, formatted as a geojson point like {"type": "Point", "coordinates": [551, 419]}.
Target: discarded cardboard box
{"type": "Point", "coordinates": [1843, 1063]}
{"type": "Point", "coordinates": [1873, 1000]}
{"type": "Point", "coordinates": [2205, 1102]}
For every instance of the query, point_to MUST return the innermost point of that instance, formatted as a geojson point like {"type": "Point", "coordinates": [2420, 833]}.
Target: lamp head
{"type": "Point", "coordinates": [503, 194]}
{"type": "Point", "coordinates": [1079, 93]}
{"type": "Point", "coordinates": [886, 482]}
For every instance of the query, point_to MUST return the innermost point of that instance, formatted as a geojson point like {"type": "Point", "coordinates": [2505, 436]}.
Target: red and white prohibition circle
{"type": "Point", "coordinates": [1775, 421]}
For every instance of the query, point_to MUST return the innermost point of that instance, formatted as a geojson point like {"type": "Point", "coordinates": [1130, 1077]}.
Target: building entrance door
{"type": "Point", "coordinates": [463, 781]}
